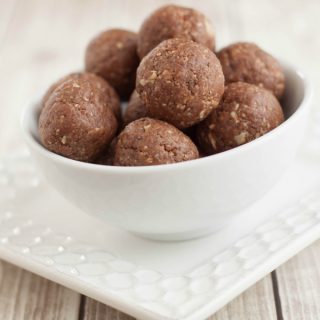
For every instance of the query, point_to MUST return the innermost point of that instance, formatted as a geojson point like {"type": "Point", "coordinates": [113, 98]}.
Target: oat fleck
{"type": "Point", "coordinates": [181, 106]}
{"type": "Point", "coordinates": [234, 116]}
{"type": "Point", "coordinates": [119, 45]}
{"type": "Point", "coordinates": [212, 141]}
{"type": "Point", "coordinates": [153, 75]}
{"type": "Point", "coordinates": [165, 72]}
{"type": "Point", "coordinates": [241, 137]}
{"type": "Point", "coordinates": [202, 114]}
{"type": "Point", "coordinates": [143, 82]}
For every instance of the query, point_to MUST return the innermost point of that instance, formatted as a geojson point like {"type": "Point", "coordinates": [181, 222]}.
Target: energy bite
{"type": "Point", "coordinates": [248, 63]}
{"type": "Point", "coordinates": [107, 91]}
{"type": "Point", "coordinates": [113, 56]}
{"type": "Point", "coordinates": [245, 113]}
{"type": "Point", "coordinates": [147, 142]}
{"type": "Point", "coordinates": [107, 155]}
{"type": "Point", "coordinates": [135, 109]}
{"type": "Point", "coordinates": [180, 81]}
{"type": "Point", "coordinates": [75, 121]}
{"type": "Point", "coordinates": [174, 22]}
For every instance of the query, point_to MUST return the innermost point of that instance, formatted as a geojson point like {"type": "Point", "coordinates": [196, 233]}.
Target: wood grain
{"type": "Point", "coordinates": [257, 303]}
{"type": "Point", "coordinates": [299, 285]}
{"type": "Point", "coordinates": [24, 295]}
{"type": "Point", "coordinates": [94, 310]}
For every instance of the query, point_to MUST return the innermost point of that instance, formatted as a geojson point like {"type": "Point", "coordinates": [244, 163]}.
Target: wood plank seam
{"type": "Point", "coordinates": [82, 307]}
{"type": "Point", "coordinates": [276, 295]}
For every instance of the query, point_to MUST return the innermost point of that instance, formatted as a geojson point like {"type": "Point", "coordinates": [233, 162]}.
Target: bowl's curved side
{"type": "Point", "coordinates": [182, 200]}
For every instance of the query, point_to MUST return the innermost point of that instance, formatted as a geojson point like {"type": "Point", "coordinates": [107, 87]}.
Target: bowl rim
{"type": "Point", "coordinates": [29, 110]}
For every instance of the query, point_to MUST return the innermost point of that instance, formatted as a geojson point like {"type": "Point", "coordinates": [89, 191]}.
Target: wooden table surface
{"type": "Point", "coordinates": [42, 40]}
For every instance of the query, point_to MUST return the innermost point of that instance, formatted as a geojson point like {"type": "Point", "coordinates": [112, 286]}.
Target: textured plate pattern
{"type": "Point", "coordinates": [178, 296]}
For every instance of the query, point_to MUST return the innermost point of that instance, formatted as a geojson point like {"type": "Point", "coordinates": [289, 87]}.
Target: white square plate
{"type": "Point", "coordinates": [41, 232]}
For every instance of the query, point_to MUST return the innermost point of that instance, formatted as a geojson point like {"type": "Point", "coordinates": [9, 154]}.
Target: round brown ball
{"type": "Point", "coordinates": [174, 22]}
{"type": "Point", "coordinates": [180, 81]}
{"type": "Point", "coordinates": [147, 142]}
{"type": "Point", "coordinates": [107, 155]}
{"type": "Point", "coordinates": [110, 94]}
{"type": "Point", "coordinates": [135, 109]}
{"type": "Point", "coordinates": [245, 113]}
{"type": "Point", "coordinates": [113, 56]}
{"type": "Point", "coordinates": [248, 63]}
{"type": "Point", "coordinates": [75, 121]}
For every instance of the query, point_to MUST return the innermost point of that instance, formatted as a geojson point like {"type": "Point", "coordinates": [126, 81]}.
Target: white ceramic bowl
{"type": "Point", "coordinates": [183, 200]}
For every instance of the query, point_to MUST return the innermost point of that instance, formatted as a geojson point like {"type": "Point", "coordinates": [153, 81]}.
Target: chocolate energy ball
{"type": "Point", "coordinates": [107, 155]}
{"type": "Point", "coordinates": [248, 63]}
{"type": "Point", "coordinates": [180, 81]}
{"type": "Point", "coordinates": [75, 121]}
{"type": "Point", "coordinates": [146, 142]}
{"type": "Point", "coordinates": [174, 22]}
{"type": "Point", "coordinates": [135, 109]}
{"type": "Point", "coordinates": [245, 113]}
{"type": "Point", "coordinates": [113, 56]}
{"type": "Point", "coordinates": [108, 92]}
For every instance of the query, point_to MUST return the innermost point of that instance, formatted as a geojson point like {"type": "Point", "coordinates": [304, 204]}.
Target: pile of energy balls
{"type": "Point", "coordinates": [185, 99]}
